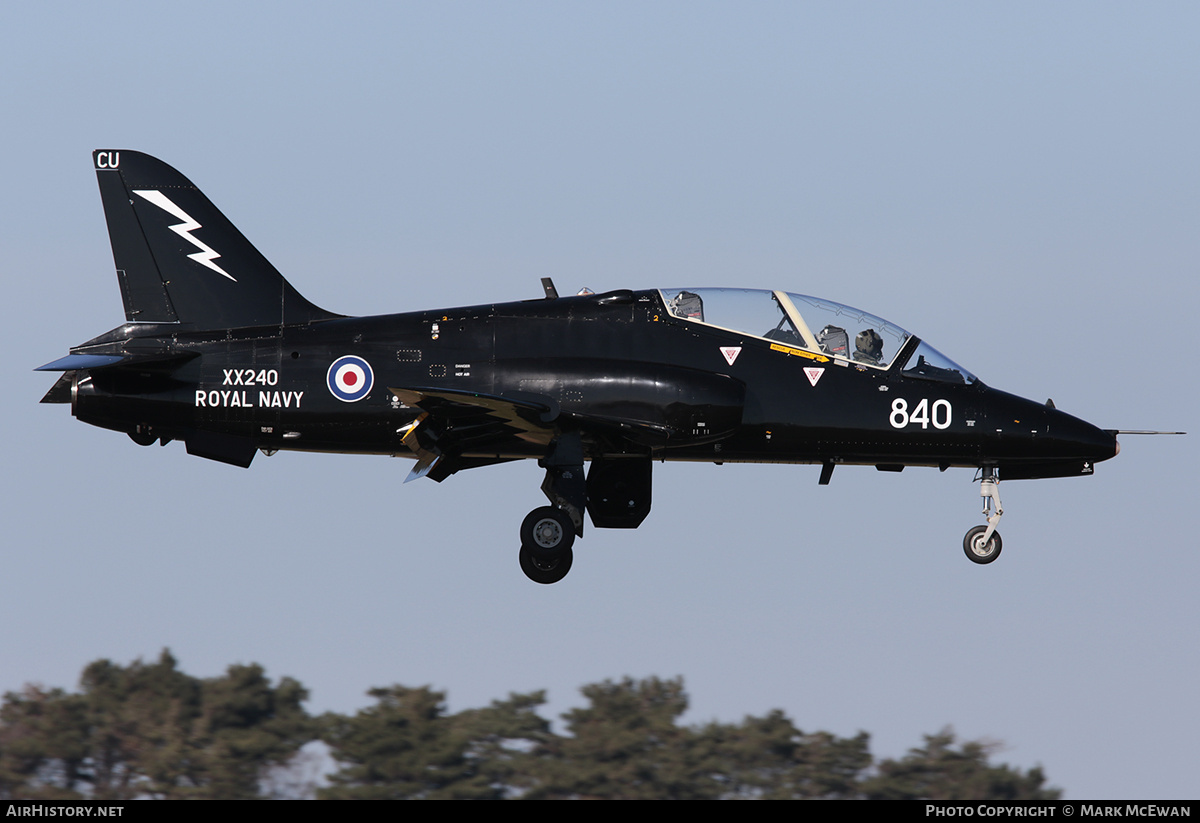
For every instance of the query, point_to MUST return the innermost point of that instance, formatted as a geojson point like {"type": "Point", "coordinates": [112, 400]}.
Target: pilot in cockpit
{"type": "Point", "coordinates": [868, 347]}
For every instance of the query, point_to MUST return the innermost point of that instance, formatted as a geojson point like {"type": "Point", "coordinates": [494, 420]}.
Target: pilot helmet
{"type": "Point", "coordinates": [869, 344]}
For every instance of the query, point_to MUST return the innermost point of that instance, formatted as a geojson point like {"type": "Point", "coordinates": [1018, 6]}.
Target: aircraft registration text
{"type": "Point", "coordinates": [250, 377]}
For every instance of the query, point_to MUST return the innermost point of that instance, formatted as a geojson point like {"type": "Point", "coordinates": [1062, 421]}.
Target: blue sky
{"type": "Point", "coordinates": [1017, 183]}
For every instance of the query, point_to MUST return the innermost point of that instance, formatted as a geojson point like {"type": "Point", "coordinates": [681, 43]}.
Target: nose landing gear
{"type": "Point", "coordinates": [979, 547]}
{"type": "Point", "coordinates": [982, 544]}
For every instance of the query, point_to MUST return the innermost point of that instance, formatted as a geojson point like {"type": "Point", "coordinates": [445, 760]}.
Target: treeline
{"type": "Point", "coordinates": [151, 731]}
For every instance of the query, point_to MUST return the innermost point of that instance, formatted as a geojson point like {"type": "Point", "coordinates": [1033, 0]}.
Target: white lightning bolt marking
{"type": "Point", "coordinates": [206, 255]}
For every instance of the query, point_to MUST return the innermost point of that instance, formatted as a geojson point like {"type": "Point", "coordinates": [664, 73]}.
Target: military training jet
{"type": "Point", "coordinates": [220, 351]}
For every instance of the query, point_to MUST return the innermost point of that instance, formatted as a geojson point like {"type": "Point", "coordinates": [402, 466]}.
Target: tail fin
{"type": "Point", "coordinates": [179, 260]}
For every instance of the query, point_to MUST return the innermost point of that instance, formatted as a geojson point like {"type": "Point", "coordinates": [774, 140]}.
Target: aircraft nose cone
{"type": "Point", "coordinates": [1082, 439]}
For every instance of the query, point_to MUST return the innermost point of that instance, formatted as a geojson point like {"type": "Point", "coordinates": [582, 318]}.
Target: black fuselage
{"type": "Point", "coordinates": [644, 381]}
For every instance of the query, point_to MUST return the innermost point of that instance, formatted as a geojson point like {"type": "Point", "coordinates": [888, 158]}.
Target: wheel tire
{"type": "Point", "coordinates": [547, 531]}
{"type": "Point", "coordinates": [976, 550]}
{"type": "Point", "coordinates": [547, 570]}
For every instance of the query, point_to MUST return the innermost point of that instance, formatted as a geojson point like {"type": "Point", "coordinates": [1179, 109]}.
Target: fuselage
{"type": "Point", "coordinates": [648, 382]}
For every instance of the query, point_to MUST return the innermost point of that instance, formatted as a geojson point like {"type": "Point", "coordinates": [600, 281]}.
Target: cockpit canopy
{"type": "Point", "coordinates": [816, 325]}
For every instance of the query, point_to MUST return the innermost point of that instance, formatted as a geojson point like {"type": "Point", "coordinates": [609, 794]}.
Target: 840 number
{"type": "Point", "coordinates": [938, 414]}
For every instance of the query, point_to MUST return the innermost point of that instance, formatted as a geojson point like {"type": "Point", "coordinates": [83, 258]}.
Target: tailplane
{"type": "Point", "coordinates": [180, 260]}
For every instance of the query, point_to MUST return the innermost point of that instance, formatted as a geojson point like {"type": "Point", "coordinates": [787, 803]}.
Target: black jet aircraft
{"type": "Point", "coordinates": [219, 351]}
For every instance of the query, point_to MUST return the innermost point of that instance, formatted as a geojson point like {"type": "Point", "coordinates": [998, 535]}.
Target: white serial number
{"type": "Point", "coordinates": [923, 414]}
{"type": "Point", "coordinates": [250, 377]}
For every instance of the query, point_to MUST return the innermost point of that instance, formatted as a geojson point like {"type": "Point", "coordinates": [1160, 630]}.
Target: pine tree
{"type": "Point", "coordinates": [941, 771]}
{"type": "Point", "coordinates": [150, 731]}
{"type": "Point", "coordinates": [407, 747]}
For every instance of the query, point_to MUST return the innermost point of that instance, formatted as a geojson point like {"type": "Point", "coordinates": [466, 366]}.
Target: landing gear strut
{"type": "Point", "coordinates": [982, 544]}
{"type": "Point", "coordinates": [548, 532]}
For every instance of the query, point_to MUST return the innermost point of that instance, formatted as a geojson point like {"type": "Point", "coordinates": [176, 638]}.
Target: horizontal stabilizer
{"type": "Point", "coordinates": [74, 362]}
{"type": "Point", "coordinates": [81, 361]}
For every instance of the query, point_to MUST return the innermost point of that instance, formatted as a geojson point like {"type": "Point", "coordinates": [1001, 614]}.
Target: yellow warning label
{"type": "Point", "coordinates": [820, 358]}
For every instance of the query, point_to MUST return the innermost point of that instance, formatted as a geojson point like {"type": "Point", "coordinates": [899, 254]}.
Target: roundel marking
{"type": "Point", "coordinates": [350, 378]}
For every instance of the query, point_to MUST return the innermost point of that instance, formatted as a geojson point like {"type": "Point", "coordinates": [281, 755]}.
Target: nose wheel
{"type": "Point", "coordinates": [980, 548]}
{"type": "Point", "coordinates": [982, 544]}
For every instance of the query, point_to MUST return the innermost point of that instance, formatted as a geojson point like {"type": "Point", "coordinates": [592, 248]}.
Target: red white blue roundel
{"type": "Point", "coordinates": [350, 378]}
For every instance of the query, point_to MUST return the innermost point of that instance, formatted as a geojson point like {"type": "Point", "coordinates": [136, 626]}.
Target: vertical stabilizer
{"type": "Point", "coordinates": [179, 259]}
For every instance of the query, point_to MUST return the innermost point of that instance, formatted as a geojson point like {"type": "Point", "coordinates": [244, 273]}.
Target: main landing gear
{"type": "Point", "coordinates": [546, 538]}
{"type": "Point", "coordinates": [615, 493]}
{"type": "Point", "coordinates": [982, 544]}
{"type": "Point", "coordinates": [548, 532]}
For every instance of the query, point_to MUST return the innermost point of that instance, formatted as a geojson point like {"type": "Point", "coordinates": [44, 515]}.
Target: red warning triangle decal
{"type": "Point", "coordinates": [814, 375]}
{"type": "Point", "coordinates": [731, 353]}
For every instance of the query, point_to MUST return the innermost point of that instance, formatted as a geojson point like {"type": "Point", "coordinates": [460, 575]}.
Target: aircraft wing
{"type": "Point", "coordinates": [458, 429]}
{"type": "Point", "coordinates": [525, 412]}
{"type": "Point", "coordinates": [463, 429]}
